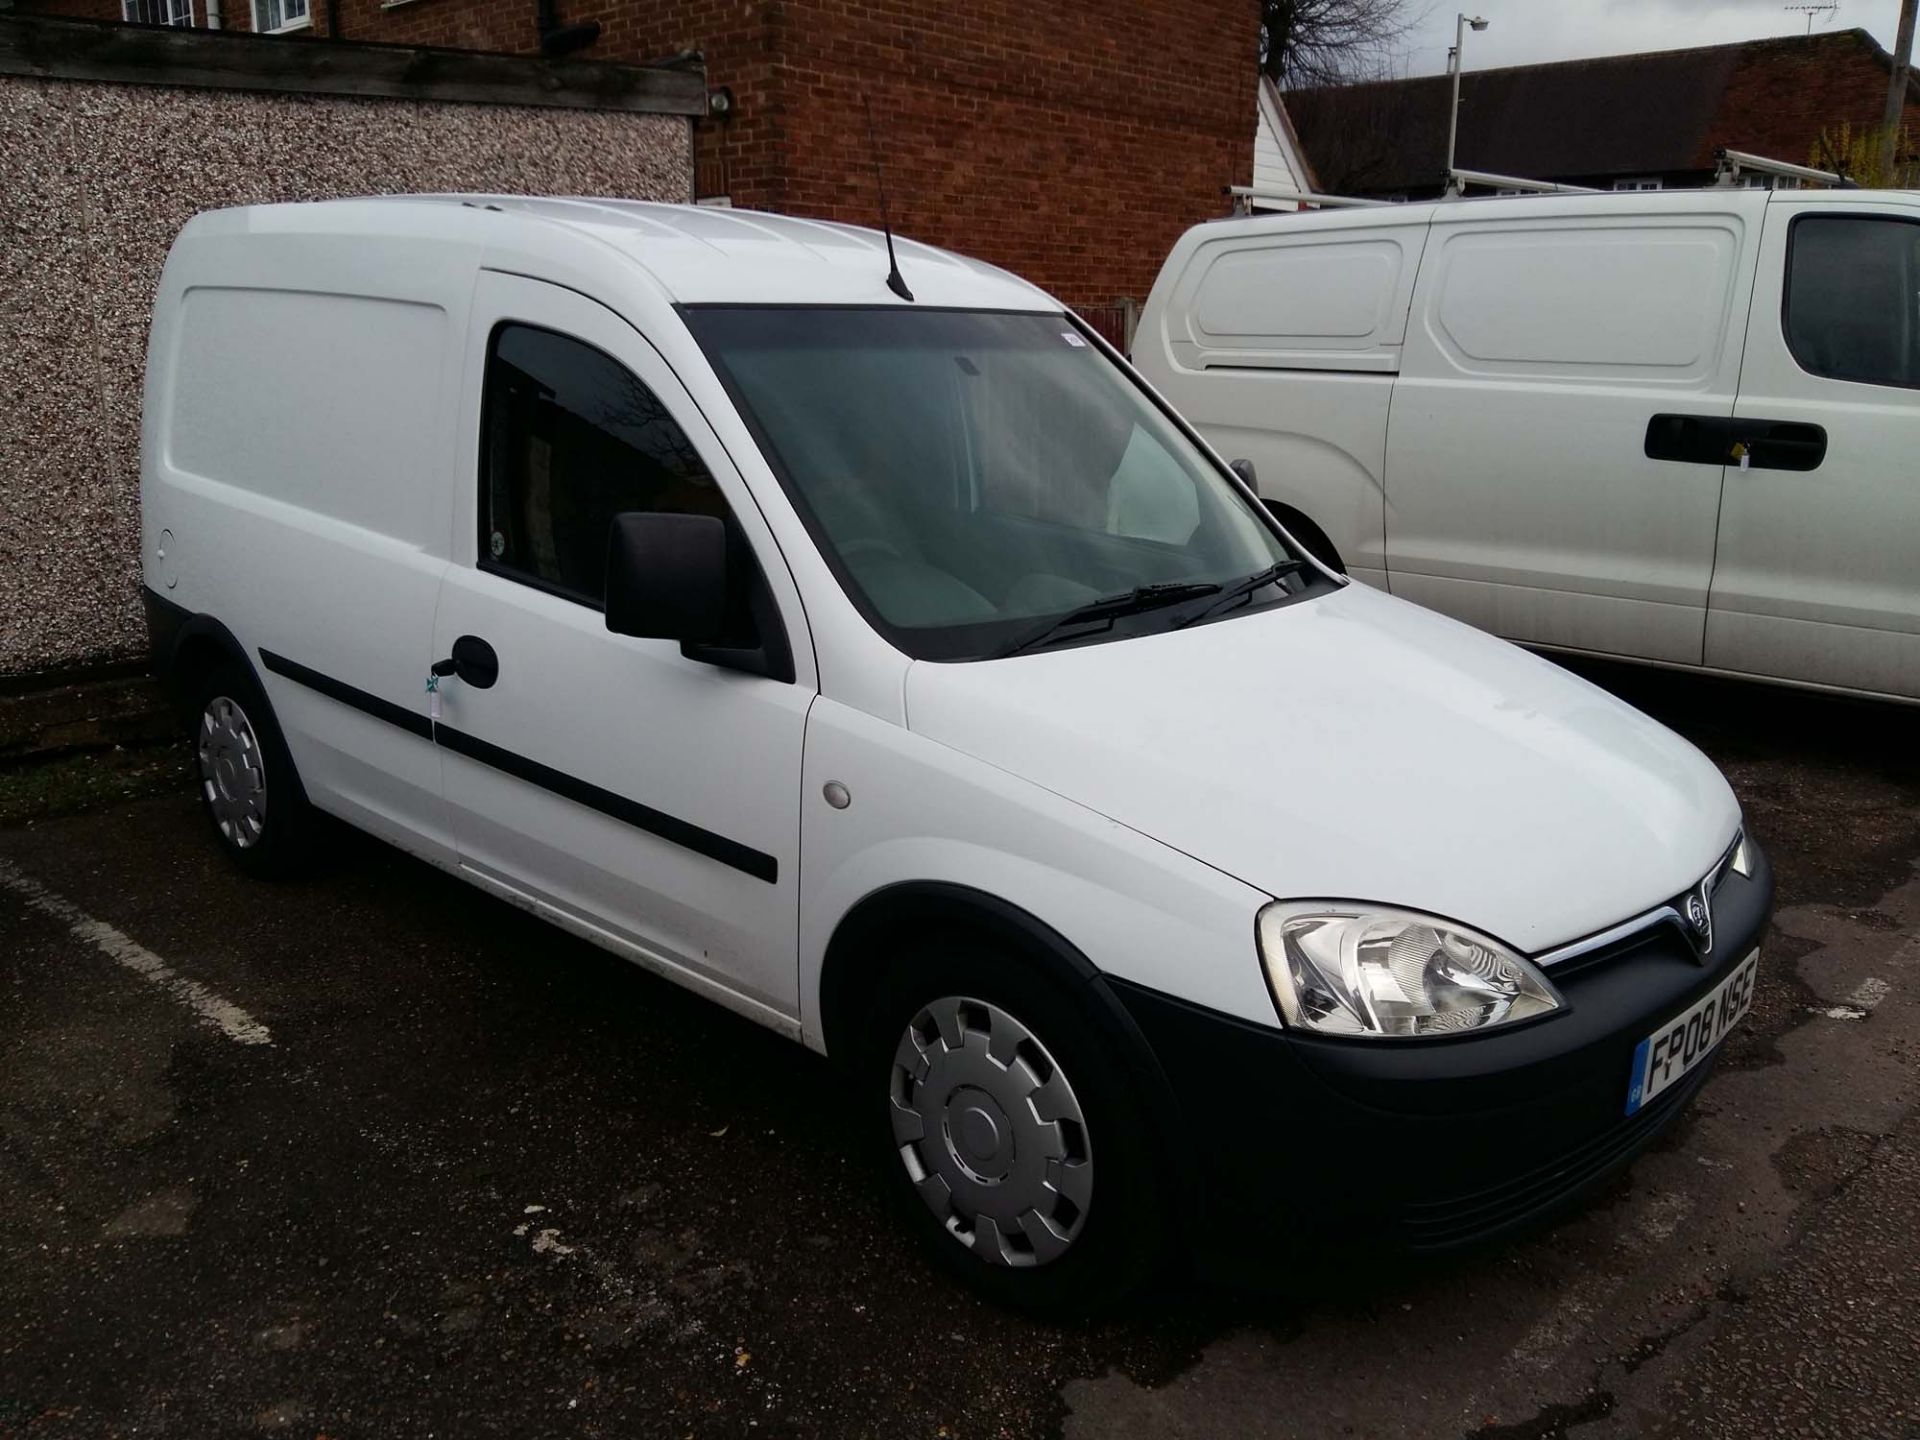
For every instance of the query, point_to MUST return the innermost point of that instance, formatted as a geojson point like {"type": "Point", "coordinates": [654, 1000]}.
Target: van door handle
{"type": "Point", "coordinates": [1784, 445]}
{"type": "Point", "coordinates": [473, 661]}
{"type": "Point", "coordinates": [1692, 439]}
{"type": "Point", "coordinates": [1723, 439]}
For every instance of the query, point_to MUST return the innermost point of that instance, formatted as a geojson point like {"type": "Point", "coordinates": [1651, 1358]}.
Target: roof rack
{"type": "Point", "coordinates": [1244, 197]}
{"type": "Point", "coordinates": [1458, 180]}
{"type": "Point", "coordinates": [1729, 165]}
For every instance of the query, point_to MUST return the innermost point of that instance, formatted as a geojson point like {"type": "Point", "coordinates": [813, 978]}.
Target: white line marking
{"type": "Point", "coordinates": [225, 1016]}
{"type": "Point", "coordinates": [1858, 1005]}
{"type": "Point", "coordinates": [1871, 992]}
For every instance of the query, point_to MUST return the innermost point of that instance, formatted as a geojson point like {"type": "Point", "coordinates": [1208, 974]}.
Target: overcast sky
{"type": "Point", "coordinates": [1525, 32]}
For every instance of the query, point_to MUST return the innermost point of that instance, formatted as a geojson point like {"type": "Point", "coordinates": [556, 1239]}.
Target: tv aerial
{"type": "Point", "coordinates": [1830, 9]}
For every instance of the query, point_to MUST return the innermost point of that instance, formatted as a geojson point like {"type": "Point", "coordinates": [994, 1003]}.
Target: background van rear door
{"type": "Point", "coordinates": [1545, 340]}
{"type": "Point", "coordinates": [1279, 341]}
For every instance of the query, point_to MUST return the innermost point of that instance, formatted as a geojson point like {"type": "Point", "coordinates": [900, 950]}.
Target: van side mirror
{"type": "Point", "coordinates": [1244, 469]}
{"type": "Point", "coordinates": [667, 577]}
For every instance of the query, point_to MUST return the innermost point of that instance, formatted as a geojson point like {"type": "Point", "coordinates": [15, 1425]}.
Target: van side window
{"type": "Point", "coordinates": [573, 438]}
{"type": "Point", "coordinates": [1853, 298]}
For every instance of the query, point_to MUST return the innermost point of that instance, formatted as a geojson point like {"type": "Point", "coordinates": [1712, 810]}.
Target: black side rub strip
{"type": "Point", "coordinates": [407, 720]}
{"type": "Point", "coordinates": [683, 833]}
{"type": "Point", "coordinates": [756, 863]}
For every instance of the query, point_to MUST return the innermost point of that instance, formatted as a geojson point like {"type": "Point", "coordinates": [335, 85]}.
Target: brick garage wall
{"type": "Point", "coordinates": [95, 180]}
{"type": "Point", "coordinates": [1071, 143]}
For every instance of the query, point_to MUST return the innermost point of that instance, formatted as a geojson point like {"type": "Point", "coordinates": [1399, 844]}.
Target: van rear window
{"type": "Point", "coordinates": [574, 438]}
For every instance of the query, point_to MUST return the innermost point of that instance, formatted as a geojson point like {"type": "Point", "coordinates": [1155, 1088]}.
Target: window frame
{"type": "Point", "coordinates": [483, 459]}
{"type": "Point", "coordinates": [304, 21]}
{"type": "Point", "coordinates": [1786, 295]}
{"type": "Point", "coordinates": [179, 14]}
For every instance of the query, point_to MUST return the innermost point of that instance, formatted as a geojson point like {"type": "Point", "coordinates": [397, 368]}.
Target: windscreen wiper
{"type": "Point", "coordinates": [1241, 589]}
{"type": "Point", "coordinates": [1109, 607]}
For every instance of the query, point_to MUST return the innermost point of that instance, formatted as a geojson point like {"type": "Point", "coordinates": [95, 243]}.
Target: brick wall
{"type": "Point", "coordinates": [1069, 142]}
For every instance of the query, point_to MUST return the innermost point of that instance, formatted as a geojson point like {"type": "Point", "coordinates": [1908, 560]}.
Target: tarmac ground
{"type": "Point", "coordinates": [371, 1154]}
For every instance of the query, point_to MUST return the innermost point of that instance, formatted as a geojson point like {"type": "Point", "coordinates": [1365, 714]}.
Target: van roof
{"type": "Point", "coordinates": [697, 254]}
{"type": "Point", "coordinates": [1518, 207]}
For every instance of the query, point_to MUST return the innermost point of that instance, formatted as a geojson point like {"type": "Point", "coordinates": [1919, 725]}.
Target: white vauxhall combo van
{"type": "Point", "coordinates": [1678, 427]}
{"type": "Point", "coordinates": [902, 674]}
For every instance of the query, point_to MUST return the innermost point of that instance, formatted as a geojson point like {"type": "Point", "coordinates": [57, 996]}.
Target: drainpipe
{"type": "Point", "coordinates": [213, 14]}
{"type": "Point", "coordinates": [333, 19]}
{"type": "Point", "coordinates": [557, 39]}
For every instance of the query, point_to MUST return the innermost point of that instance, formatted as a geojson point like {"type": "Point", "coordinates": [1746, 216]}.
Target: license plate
{"type": "Point", "coordinates": [1683, 1042]}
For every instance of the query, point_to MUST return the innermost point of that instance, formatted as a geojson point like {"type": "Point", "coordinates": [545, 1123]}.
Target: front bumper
{"type": "Point", "coordinates": [1295, 1141]}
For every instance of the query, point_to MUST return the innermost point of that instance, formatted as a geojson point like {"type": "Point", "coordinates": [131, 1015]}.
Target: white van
{"type": "Point", "coordinates": [1673, 427]}
{"type": "Point", "coordinates": [898, 673]}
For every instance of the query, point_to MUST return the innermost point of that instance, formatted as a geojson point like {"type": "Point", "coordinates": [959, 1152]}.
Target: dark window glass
{"type": "Point", "coordinates": [573, 439]}
{"type": "Point", "coordinates": [1853, 298]}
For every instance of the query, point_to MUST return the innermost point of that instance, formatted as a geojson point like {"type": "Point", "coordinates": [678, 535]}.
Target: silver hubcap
{"type": "Point", "coordinates": [232, 775]}
{"type": "Point", "coordinates": [991, 1133]}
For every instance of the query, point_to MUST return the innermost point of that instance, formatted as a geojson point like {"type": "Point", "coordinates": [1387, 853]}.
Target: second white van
{"type": "Point", "coordinates": [1670, 427]}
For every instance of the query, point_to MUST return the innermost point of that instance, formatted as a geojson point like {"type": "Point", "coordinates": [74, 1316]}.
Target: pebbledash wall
{"type": "Point", "coordinates": [97, 176]}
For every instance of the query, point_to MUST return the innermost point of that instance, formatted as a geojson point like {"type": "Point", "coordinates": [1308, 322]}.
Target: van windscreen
{"type": "Point", "coordinates": [971, 474]}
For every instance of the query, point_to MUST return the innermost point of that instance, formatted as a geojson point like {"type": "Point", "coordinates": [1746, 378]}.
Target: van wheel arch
{"type": "Point", "coordinates": [860, 951]}
{"type": "Point", "coordinates": [1307, 533]}
{"type": "Point", "coordinates": [201, 645]}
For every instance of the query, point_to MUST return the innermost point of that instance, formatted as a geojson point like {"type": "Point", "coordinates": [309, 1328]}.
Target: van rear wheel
{"type": "Point", "coordinates": [248, 786]}
{"type": "Point", "coordinates": [1017, 1150]}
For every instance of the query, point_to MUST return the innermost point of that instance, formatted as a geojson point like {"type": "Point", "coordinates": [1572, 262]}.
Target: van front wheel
{"type": "Point", "coordinates": [1017, 1148]}
{"type": "Point", "coordinates": [248, 787]}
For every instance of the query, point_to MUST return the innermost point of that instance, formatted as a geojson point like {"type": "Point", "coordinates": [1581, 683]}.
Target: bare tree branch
{"type": "Point", "coordinates": [1309, 43]}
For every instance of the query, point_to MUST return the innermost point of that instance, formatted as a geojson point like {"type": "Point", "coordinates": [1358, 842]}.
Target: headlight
{"type": "Point", "coordinates": [1348, 970]}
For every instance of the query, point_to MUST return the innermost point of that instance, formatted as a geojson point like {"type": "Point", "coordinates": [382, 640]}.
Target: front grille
{"type": "Point", "coordinates": [1463, 1219]}
{"type": "Point", "coordinates": [1568, 959]}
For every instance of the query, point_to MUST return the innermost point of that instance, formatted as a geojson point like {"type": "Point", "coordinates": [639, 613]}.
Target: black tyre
{"type": "Point", "coordinates": [248, 786]}
{"type": "Point", "coordinates": [1016, 1137]}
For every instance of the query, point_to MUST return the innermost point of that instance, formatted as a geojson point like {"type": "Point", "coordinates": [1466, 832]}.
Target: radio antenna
{"type": "Point", "coordinates": [895, 281]}
{"type": "Point", "coordinates": [1829, 10]}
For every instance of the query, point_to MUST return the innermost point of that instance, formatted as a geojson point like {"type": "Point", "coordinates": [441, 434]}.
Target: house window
{"type": "Point", "coordinates": [1645, 183]}
{"type": "Point", "coordinates": [271, 15]}
{"type": "Point", "coordinates": [157, 12]}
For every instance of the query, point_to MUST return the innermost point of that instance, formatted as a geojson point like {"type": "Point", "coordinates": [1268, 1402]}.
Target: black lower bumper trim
{"type": "Point", "coordinates": [1301, 1143]}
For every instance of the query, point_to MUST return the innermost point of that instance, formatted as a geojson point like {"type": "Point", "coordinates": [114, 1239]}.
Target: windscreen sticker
{"type": "Point", "coordinates": [1073, 339]}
